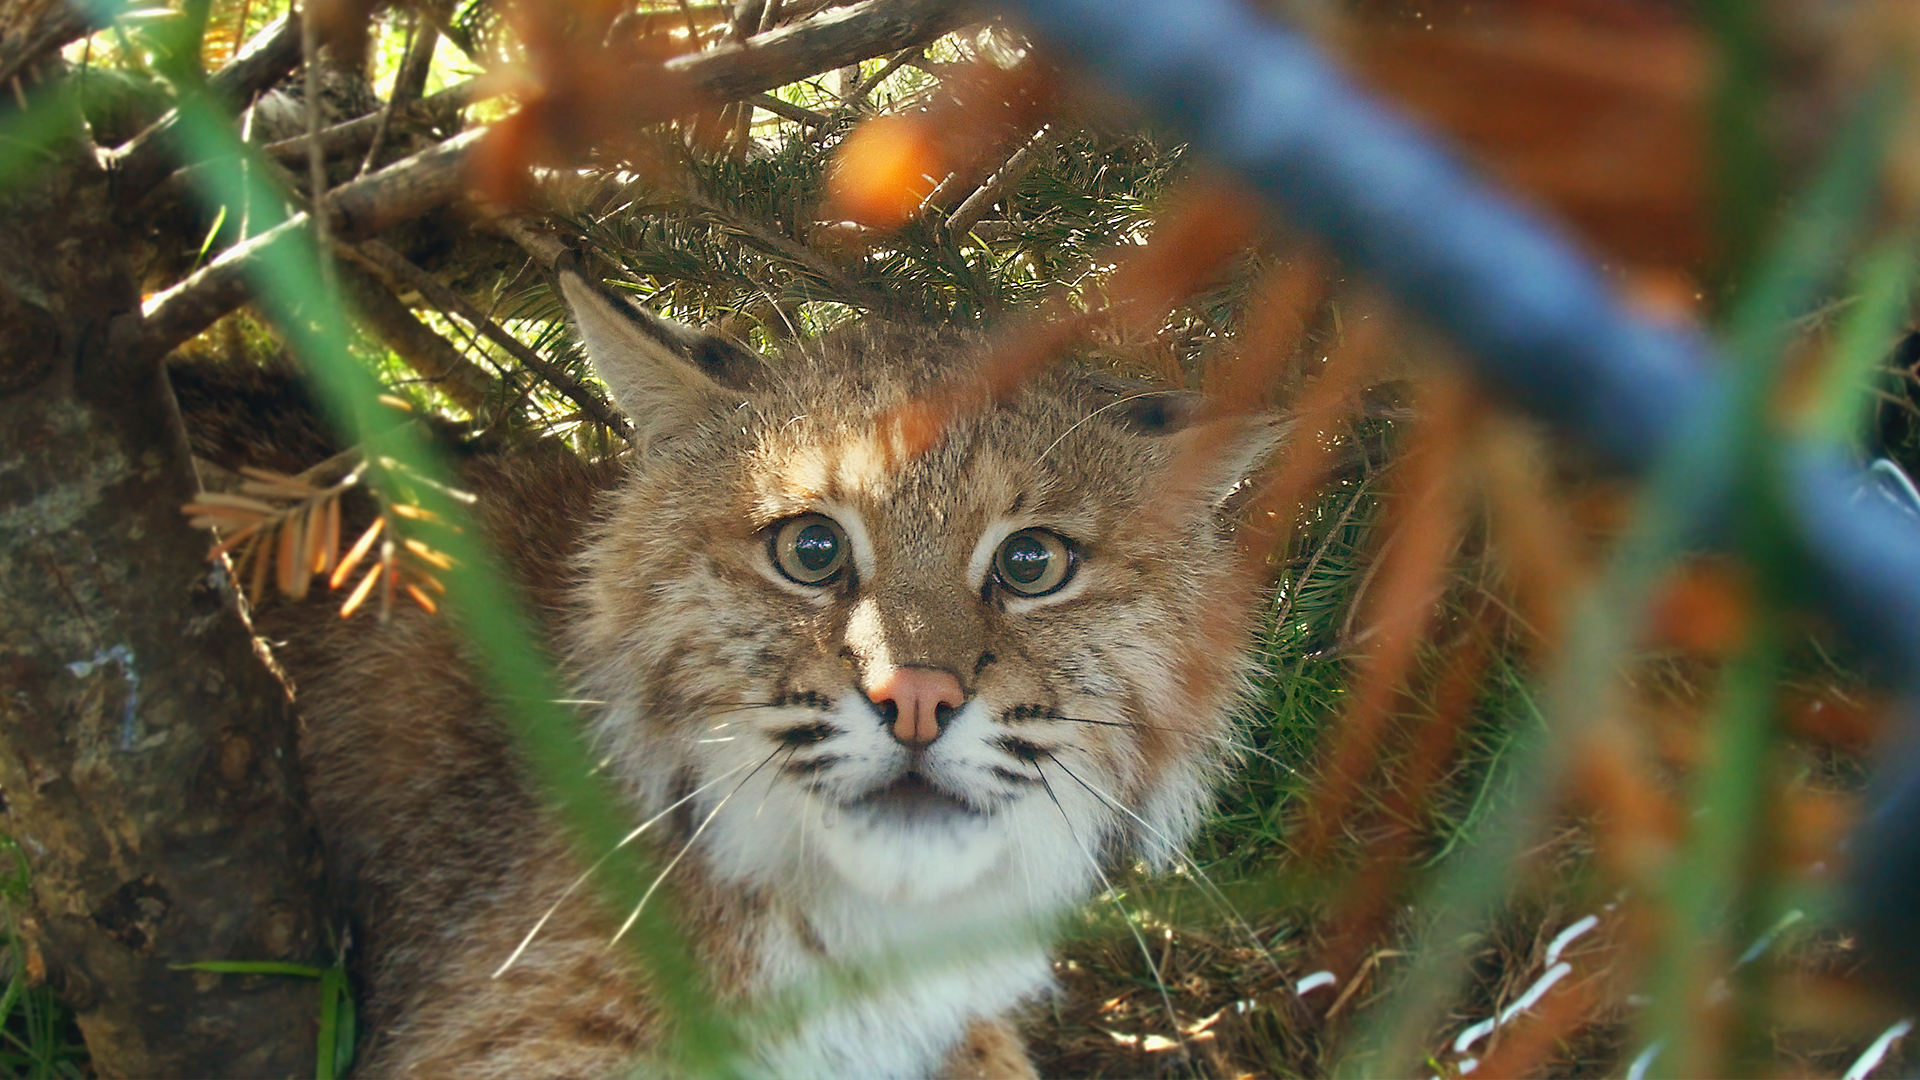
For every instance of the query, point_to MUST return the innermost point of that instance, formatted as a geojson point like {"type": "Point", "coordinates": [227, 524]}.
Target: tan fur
{"type": "Point", "coordinates": [653, 580]}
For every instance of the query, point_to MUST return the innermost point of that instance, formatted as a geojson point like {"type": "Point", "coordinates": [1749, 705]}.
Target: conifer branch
{"type": "Point", "coordinates": [976, 205]}
{"type": "Point", "coordinates": [444, 297]}
{"type": "Point", "coordinates": [435, 176]}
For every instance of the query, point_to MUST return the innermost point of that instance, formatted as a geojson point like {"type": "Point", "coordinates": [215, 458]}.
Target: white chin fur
{"type": "Point", "coordinates": [883, 858]}
{"type": "Point", "coordinates": [1033, 854]}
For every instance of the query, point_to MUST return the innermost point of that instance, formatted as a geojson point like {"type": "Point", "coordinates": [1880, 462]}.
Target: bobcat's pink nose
{"type": "Point", "coordinates": [917, 695]}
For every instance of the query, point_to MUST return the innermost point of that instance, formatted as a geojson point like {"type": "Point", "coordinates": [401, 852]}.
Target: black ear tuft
{"type": "Point", "coordinates": [1158, 412]}
{"type": "Point", "coordinates": [726, 361]}
{"type": "Point", "coordinates": [1140, 406]}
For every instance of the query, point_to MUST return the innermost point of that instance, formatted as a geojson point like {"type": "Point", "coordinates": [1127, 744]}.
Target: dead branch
{"type": "Point", "coordinates": [834, 39]}
{"type": "Point", "coordinates": [433, 357]}
{"type": "Point", "coordinates": [143, 161]}
{"type": "Point", "coordinates": [436, 292]}
{"type": "Point", "coordinates": [32, 31]}
{"type": "Point", "coordinates": [546, 250]}
{"type": "Point", "coordinates": [356, 210]}
{"type": "Point", "coordinates": [435, 176]}
{"type": "Point", "coordinates": [795, 113]}
{"type": "Point", "coordinates": [975, 206]}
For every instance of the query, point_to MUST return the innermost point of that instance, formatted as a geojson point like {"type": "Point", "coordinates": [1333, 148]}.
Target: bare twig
{"type": "Point", "coordinates": [415, 65]}
{"type": "Point", "coordinates": [360, 131]}
{"type": "Point", "coordinates": [867, 84]}
{"type": "Point", "coordinates": [850, 102]}
{"type": "Point", "coordinates": [316, 161]}
{"type": "Point", "coordinates": [144, 160]}
{"type": "Point", "coordinates": [785, 111]}
{"type": "Point", "coordinates": [440, 295]}
{"type": "Point", "coordinates": [975, 206]}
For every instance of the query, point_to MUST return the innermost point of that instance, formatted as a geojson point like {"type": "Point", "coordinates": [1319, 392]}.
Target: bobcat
{"type": "Point", "coordinates": [893, 708]}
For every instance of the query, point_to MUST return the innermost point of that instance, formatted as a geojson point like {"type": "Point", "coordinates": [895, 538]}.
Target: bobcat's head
{"type": "Point", "coordinates": [989, 667]}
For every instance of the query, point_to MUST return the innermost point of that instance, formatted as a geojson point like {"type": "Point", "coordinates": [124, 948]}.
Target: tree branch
{"type": "Point", "coordinates": [435, 176]}
{"type": "Point", "coordinates": [429, 354]}
{"type": "Point", "coordinates": [443, 296]}
{"type": "Point", "coordinates": [976, 205]}
{"type": "Point", "coordinates": [32, 31]}
{"type": "Point", "coordinates": [401, 191]}
{"type": "Point", "coordinates": [834, 39]}
{"type": "Point", "coordinates": [357, 134]}
{"type": "Point", "coordinates": [144, 161]}
{"type": "Point", "coordinates": [357, 210]}
{"type": "Point", "coordinates": [795, 113]}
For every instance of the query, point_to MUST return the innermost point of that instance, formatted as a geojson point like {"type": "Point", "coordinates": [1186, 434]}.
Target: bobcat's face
{"type": "Point", "coordinates": [990, 666]}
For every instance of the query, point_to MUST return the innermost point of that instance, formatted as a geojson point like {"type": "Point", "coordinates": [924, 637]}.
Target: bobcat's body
{"type": "Point", "coordinates": [906, 768]}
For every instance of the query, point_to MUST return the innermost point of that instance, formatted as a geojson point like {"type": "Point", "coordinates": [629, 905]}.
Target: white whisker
{"type": "Point", "coordinates": [1244, 748]}
{"type": "Point", "coordinates": [1113, 894]}
{"type": "Point", "coordinates": [601, 861]}
{"type": "Point", "coordinates": [1208, 889]}
{"type": "Point", "coordinates": [768, 793]}
{"type": "Point", "coordinates": [684, 848]}
{"type": "Point", "coordinates": [1097, 412]}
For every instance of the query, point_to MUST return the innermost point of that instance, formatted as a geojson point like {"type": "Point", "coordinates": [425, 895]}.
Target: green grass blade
{"type": "Point", "coordinates": [1707, 458]}
{"type": "Point", "coordinates": [1885, 289]}
{"type": "Point", "coordinates": [289, 286]}
{"type": "Point", "coordinates": [254, 967]}
{"type": "Point", "coordinates": [327, 1050]}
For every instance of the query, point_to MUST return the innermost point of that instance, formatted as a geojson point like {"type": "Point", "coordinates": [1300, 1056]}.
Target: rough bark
{"type": "Point", "coordinates": [147, 757]}
{"type": "Point", "coordinates": [146, 753]}
{"type": "Point", "coordinates": [146, 159]}
{"type": "Point", "coordinates": [32, 30]}
{"type": "Point", "coordinates": [435, 358]}
{"type": "Point", "coordinates": [735, 71]}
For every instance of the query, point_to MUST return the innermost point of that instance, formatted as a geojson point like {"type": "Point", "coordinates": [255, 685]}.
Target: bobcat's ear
{"type": "Point", "coordinates": [656, 368]}
{"type": "Point", "coordinates": [1214, 456]}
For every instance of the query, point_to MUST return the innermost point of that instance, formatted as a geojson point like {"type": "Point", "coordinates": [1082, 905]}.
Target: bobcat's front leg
{"type": "Point", "coordinates": [991, 1050]}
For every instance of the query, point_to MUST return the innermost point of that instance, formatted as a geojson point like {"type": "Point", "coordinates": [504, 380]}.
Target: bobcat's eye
{"type": "Point", "coordinates": [810, 549]}
{"type": "Point", "coordinates": [1034, 562]}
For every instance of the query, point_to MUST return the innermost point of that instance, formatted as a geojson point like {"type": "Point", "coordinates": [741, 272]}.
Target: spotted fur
{"type": "Point", "coordinates": [812, 840]}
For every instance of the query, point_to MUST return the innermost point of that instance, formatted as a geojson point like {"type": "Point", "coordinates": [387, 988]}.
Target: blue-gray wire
{"type": "Point", "coordinates": [1535, 319]}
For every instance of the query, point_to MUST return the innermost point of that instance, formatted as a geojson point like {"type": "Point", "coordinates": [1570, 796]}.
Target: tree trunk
{"type": "Point", "coordinates": [147, 755]}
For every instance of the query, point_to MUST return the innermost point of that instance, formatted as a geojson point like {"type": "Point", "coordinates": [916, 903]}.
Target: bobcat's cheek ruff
{"type": "Point", "coordinates": [874, 711]}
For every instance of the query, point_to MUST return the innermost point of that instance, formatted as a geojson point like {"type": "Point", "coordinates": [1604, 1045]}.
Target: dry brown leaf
{"type": "Point", "coordinates": [360, 591]}
{"type": "Point", "coordinates": [1602, 120]}
{"type": "Point", "coordinates": [427, 554]}
{"type": "Point", "coordinates": [290, 556]}
{"type": "Point", "coordinates": [357, 553]}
